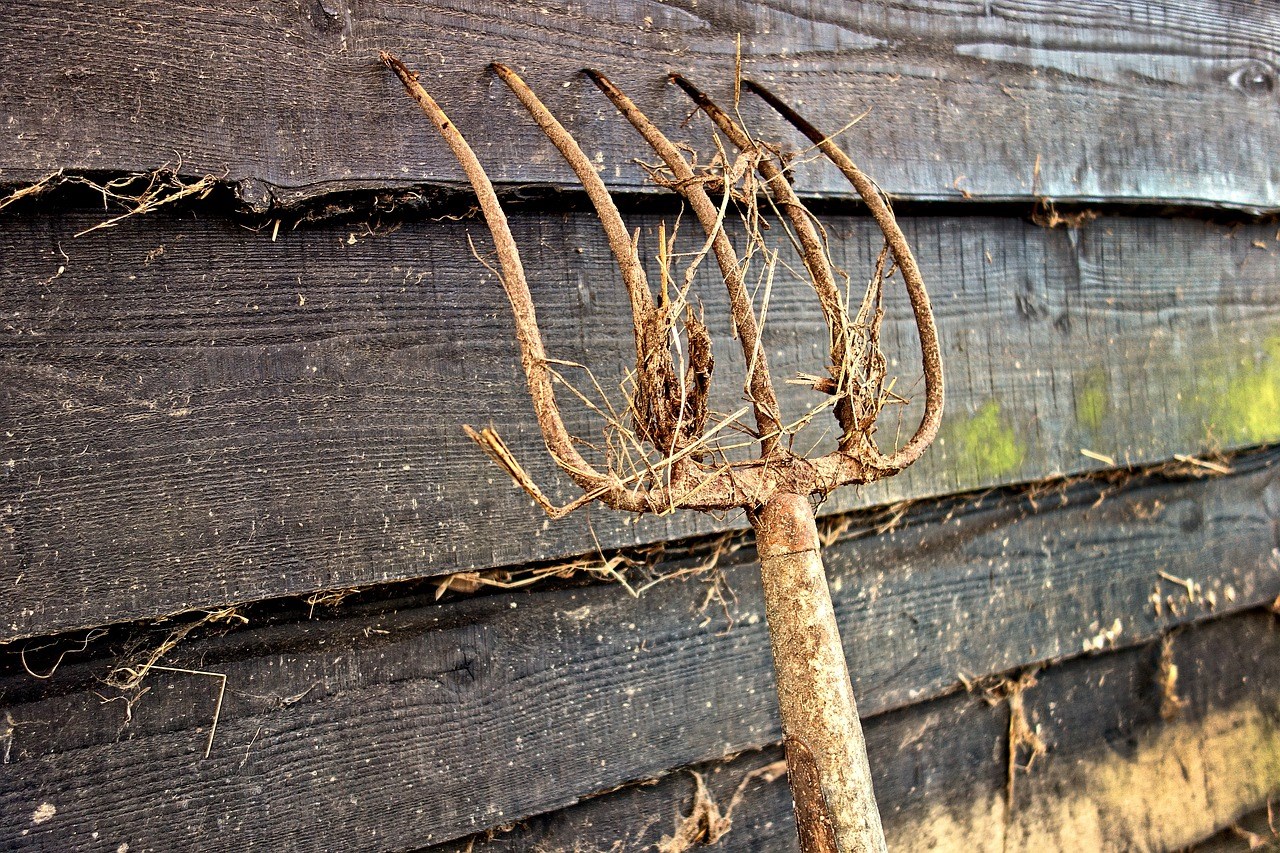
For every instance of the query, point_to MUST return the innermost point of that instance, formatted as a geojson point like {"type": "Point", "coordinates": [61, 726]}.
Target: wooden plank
{"type": "Point", "coordinates": [400, 722]}
{"type": "Point", "coordinates": [967, 100]}
{"type": "Point", "coordinates": [196, 415]}
{"type": "Point", "coordinates": [1115, 776]}
{"type": "Point", "coordinates": [263, 437]}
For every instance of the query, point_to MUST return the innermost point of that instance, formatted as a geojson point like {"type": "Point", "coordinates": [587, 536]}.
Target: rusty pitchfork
{"type": "Point", "coordinates": [826, 754]}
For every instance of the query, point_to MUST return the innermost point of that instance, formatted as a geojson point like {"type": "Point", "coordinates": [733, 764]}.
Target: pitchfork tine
{"type": "Point", "coordinates": [812, 251]}
{"type": "Point", "coordinates": [620, 243]}
{"type": "Point", "coordinates": [655, 369]}
{"type": "Point", "coordinates": [759, 386]}
{"type": "Point", "coordinates": [930, 351]}
{"type": "Point", "coordinates": [814, 257]}
{"type": "Point", "coordinates": [533, 356]}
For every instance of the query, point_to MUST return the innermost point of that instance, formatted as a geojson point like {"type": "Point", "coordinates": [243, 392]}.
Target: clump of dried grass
{"type": "Point", "coordinates": [706, 823]}
{"type": "Point", "coordinates": [1020, 735]}
{"type": "Point", "coordinates": [135, 194]}
{"type": "Point", "coordinates": [128, 676]}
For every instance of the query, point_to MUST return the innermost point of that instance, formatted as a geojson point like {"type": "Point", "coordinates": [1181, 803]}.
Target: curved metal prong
{"type": "Point", "coordinates": [533, 356]}
{"type": "Point", "coordinates": [615, 230]}
{"type": "Point", "coordinates": [656, 412]}
{"type": "Point", "coordinates": [759, 385]}
{"type": "Point", "coordinates": [931, 355]}
{"type": "Point", "coordinates": [813, 254]}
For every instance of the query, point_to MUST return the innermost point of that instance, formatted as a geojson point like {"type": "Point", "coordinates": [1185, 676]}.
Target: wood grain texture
{"type": "Point", "coordinates": [1115, 776]}
{"type": "Point", "coordinates": [400, 722]}
{"type": "Point", "coordinates": [1137, 101]}
{"type": "Point", "coordinates": [195, 415]}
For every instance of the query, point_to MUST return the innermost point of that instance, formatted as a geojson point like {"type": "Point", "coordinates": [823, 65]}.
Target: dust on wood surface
{"type": "Point", "coordinates": [197, 414]}
{"type": "Point", "coordinates": [399, 722]}
{"type": "Point", "coordinates": [1115, 776]}
{"type": "Point", "coordinates": [1136, 101]}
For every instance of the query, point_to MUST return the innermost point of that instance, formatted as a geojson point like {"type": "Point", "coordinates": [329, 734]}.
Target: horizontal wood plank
{"type": "Point", "coordinates": [399, 722]}
{"type": "Point", "coordinates": [1116, 776]}
{"type": "Point", "coordinates": [1136, 101]}
{"type": "Point", "coordinates": [196, 414]}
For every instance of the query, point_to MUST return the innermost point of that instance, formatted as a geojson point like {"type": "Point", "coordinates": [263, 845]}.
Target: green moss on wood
{"type": "Point", "coordinates": [1248, 412]}
{"type": "Point", "coordinates": [1093, 399]}
{"type": "Point", "coordinates": [985, 443]}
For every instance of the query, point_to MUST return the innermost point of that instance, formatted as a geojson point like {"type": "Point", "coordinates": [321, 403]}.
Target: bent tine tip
{"type": "Point", "coordinates": [691, 90]}
{"type": "Point", "coordinates": [603, 83]}
{"type": "Point", "coordinates": [407, 77]}
{"type": "Point", "coordinates": [781, 107]}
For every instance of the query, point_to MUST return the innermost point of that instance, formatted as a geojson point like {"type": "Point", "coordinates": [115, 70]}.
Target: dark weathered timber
{"type": "Point", "coordinates": [399, 723]}
{"type": "Point", "coordinates": [196, 415]}
{"type": "Point", "coordinates": [1115, 777]}
{"type": "Point", "coordinates": [1132, 101]}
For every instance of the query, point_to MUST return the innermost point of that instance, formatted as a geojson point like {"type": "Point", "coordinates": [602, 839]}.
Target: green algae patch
{"type": "Point", "coordinates": [984, 443]}
{"type": "Point", "coordinates": [1248, 410]}
{"type": "Point", "coordinates": [1093, 400]}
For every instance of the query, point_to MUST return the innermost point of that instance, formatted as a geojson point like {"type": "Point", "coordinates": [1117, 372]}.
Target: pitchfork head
{"type": "Point", "coordinates": [668, 406]}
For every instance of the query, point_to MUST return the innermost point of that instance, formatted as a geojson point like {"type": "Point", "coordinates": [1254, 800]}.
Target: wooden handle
{"type": "Point", "coordinates": [826, 754]}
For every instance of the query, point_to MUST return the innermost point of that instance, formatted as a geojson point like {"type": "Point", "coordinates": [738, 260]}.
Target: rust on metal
{"type": "Point", "coordinates": [668, 432]}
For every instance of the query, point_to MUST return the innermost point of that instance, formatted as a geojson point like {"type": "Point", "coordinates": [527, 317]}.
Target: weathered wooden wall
{"type": "Point", "coordinates": [212, 406]}
{"type": "Point", "coordinates": [1098, 101]}
{"type": "Point", "coordinates": [394, 723]}
{"type": "Point", "coordinates": [201, 416]}
{"type": "Point", "coordinates": [1115, 775]}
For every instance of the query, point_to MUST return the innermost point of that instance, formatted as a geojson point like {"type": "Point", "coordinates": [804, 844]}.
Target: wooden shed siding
{"type": "Point", "coordinates": [255, 397]}
{"type": "Point", "coordinates": [1116, 776]}
{"type": "Point", "coordinates": [1137, 101]}
{"type": "Point", "coordinates": [403, 722]}
{"type": "Point", "coordinates": [198, 415]}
